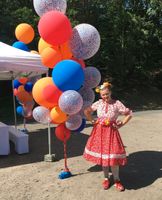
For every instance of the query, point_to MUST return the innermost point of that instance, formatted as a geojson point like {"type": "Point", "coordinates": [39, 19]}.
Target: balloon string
{"type": "Point", "coordinates": [65, 158]}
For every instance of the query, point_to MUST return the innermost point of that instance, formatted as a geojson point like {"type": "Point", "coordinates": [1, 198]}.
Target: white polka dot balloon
{"type": "Point", "coordinates": [92, 77]}
{"type": "Point", "coordinates": [41, 115]}
{"type": "Point", "coordinates": [43, 6]}
{"type": "Point", "coordinates": [70, 102]}
{"type": "Point", "coordinates": [73, 122]}
{"type": "Point", "coordinates": [85, 41]}
{"type": "Point", "coordinates": [88, 96]}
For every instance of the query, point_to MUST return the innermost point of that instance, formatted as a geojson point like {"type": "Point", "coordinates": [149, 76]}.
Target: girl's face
{"type": "Point", "coordinates": [105, 94]}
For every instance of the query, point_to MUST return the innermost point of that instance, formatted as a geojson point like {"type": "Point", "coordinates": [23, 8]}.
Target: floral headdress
{"type": "Point", "coordinates": [103, 86]}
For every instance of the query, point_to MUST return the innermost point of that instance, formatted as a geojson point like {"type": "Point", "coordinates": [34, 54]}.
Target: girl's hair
{"type": "Point", "coordinates": [103, 86]}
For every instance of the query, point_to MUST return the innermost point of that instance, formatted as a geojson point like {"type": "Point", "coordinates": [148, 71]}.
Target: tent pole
{"type": "Point", "coordinates": [49, 138]}
{"type": "Point", "coordinates": [49, 157]}
{"type": "Point", "coordinates": [14, 105]}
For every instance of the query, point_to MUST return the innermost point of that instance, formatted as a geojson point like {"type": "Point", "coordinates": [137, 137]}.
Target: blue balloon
{"type": "Point", "coordinates": [28, 86]}
{"type": "Point", "coordinates": [68, 75]}
{"type": "Point", "coordinates": [20, 45]}
{"type": "Point", "coordinates": [16, 83]}
{"type": "Point", "coordinates": [20, 110]}
{"type": "Point", "coordinates": [82, 126]}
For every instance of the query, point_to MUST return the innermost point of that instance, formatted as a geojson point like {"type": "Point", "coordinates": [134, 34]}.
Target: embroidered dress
{"type": "Point", "coordinates": [104, 146]}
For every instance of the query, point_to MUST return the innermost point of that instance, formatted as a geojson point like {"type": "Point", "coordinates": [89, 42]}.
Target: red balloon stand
{"type": "Point", "coordinates": [63, 134]}
{"type": "Point", "coordinates": [65, 173]}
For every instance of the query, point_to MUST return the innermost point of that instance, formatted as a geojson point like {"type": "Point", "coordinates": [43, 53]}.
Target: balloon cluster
{"type": "Point", "coordinates": [64, 48]}
{"type": "Point", "coordinates": [23, 93]}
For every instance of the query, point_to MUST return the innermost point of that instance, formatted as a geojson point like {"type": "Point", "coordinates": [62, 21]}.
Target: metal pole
{"type": "Point", "coordinates": [49, 157]}
{"type": "Point", "coordinates": [14, 105]}
{"type": "Point", "coordinates": [49, 138]}
{"type": "Point", "coordinates": [24, 121]}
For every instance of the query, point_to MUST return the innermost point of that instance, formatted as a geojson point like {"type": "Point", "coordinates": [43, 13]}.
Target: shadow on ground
{"type": "Point", "coordinates": [38, 144]}
{"type": "Point", "coordinates": [143, 168]}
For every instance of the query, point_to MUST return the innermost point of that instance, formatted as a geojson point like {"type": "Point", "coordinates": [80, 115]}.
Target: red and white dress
{"type": "Point", "coordinates": [104, 146]}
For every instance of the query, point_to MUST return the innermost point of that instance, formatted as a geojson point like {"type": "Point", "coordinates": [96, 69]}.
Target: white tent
{"type": "Point", "coordinates": [15, 62]}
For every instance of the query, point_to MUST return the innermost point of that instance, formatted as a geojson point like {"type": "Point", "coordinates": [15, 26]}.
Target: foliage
{"type": "Point", "coordinates": [131, 35]}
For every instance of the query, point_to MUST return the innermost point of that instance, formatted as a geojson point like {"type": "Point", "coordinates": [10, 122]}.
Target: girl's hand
{"type": "Point", "coordinates": [93, 121]}
{"type": "Point", "coordinates": [118, 124]}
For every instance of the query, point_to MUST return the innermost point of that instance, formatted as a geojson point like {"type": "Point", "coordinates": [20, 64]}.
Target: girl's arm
{"type": "Point", "coordinates": [124, 121]}
{"type": "Point", "coordinates": [88, 113]}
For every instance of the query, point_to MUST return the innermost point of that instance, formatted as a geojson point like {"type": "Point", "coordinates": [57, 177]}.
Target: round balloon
{"type": "Point", "coordinates": [20, 45]}
{"type": "Point", "coordinates": [45, 93]}
{"type": "Point", "coordinates": [24, 33]}
{"type": "Point", "coordinates": [57, 32]}
{"type": "Point", "coordinates": [20, 110]}
{"type": "Point", "coordinates": [81, 113]}
{"type": "Point", "coordinates": [16, 83]}
{"type": "Point", "coordinates": [70, 102]}
{"type": "Point", "coordinates": [43, 6]}
{"type": "Point", "coordinates": [41, 115]}
{"type": "Point", "coordinates": [24, 96]}
{"type": "Point", "coordinates": [68, 75]}
{"type": "Point", "coordinates": [85, 41]}
{"type": "Point", "coordinates": [42, 45]}
{"type": "Point", "coordinates": [62, 133]}
{"type": "Point", "coordinates": [21, 88]}
{"type": "Point", "coordinates": [57, 115]}
{"type": "Point", "coordinates": [51, 94]}
{"type": "Point", "coordinates": [82, 126]}
{"type": "Point", "coordinates": [23, 80]}
{"type": "Point", "coordinates": [92, 77]}
{"type": "Point", "coordinates": [65, 51]}
{"type": "Point", "coordinates": [50, 57]}
{"type": "Point", "coordinates": [73, 122]}
{"type": "Point", "coordinates": [88, 96]}
{"type": "Point", "coordinates": [28, 86]}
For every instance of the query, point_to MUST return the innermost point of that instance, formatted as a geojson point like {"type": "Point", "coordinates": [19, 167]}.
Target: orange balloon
{"type": "Point", "coordinates": [57, 115]}
{"type": "Point", "coordinates": [21, 88]}
{"type": "Point", "coordinates": [39, 90]}
{"type": "Point", "coordinates": [42, 45]}
{"type": "Point", "coordinates": [24, 97]}
{"type": "Point", "coordinates": [65, 51]}
{"type": "Point", "coordinates": [23, 80]}
{"type": "Point", "coordinates": [50, 57]}
{"type": "Point", "coordinates": [24, 33]}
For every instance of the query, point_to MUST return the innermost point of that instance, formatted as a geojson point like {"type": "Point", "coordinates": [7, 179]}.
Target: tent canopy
{"type": "Point", "coordinates": [15, 62]}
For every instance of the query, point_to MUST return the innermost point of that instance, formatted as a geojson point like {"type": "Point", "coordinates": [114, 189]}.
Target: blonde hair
{"type": "Point", "coordinates": [103, 86]}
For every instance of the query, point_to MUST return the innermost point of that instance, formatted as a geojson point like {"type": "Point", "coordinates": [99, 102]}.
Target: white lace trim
{"type": "Point", "coordinates": [104, 156]}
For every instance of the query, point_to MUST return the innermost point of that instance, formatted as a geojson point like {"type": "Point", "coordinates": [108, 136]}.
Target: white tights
{"type": "Point", "coordinates": [115, 172]}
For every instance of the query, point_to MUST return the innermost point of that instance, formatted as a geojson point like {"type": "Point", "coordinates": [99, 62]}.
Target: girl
{"type": "Point", "coordinates": [104, 146]}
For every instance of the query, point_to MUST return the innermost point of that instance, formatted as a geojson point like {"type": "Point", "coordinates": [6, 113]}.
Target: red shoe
{"type": "Point", "coordinates": [119, 186]}
{"type": "Point", "coordinates": [106, 184]}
